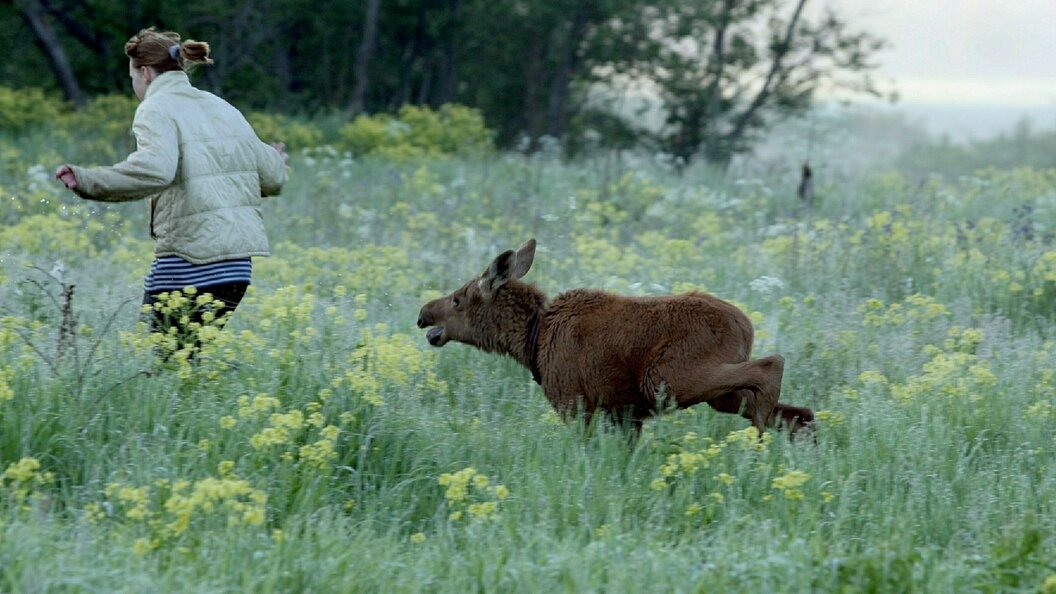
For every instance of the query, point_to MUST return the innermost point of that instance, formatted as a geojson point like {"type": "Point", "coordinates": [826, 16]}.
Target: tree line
{"type": "Point", "coordinates": [534, 68]}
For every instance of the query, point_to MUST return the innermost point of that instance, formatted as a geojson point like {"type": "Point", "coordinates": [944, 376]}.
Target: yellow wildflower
{"type": "Point", "coordinates": [142, 546]}
{"type": "Point", "coordinates": [485, 510]}
{"type": "Point", "coordinates": [23, 470]}
{"type": "Point", "coordinates": [789, 484]}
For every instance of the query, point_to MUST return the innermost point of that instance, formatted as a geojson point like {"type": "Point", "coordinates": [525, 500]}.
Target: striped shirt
{"type": "Point", "coordinates": [173, 273]}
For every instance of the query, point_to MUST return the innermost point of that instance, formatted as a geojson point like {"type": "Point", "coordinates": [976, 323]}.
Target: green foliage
{"type": "Point", "coordinates": [531, 81]}
{"type": "Point", "coordinates": [296, 133]}
{"type": "Point", "coordinates": [109, 116]}
{"type": "Point", "coordinates": [103, 127]}
{"type": "Point", "coordinates": [1024, 146]}
{"type": "Point", "coordinates": [416, 132]}
{"type": "Point", "coordinates": [23, 109]}
{"type": "Point", "coordinates": [100, 132]}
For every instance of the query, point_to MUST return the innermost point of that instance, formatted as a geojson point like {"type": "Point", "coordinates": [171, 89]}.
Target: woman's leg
{"type": "Point", "coordinates": [229, 296]}
{"type": "Point", "coordinates": [153, 318]}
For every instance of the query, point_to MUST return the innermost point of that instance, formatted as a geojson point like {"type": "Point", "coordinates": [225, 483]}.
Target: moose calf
{"type": "Point", "coordinates": [627, 357]}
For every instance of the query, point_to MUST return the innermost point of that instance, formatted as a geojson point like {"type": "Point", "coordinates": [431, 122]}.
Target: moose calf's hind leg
{"type": "Point", "coordinates": [731, 402]}
{"type": "Point", "coordinates": [767, 391]}
{"type": "Point", "coordinates": [757, 399]}
{"type": "Point", "coordinates": [756, 383]}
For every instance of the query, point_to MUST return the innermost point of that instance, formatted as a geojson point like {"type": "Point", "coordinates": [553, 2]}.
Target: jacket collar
{"type": "Point", "coordinates": [167, 81]}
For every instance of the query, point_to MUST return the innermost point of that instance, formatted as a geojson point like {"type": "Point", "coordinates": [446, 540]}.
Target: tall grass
{"type": "Point", "coordinates": [313, 444]}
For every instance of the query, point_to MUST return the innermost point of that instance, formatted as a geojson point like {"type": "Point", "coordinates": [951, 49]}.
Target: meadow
{"type": "Point", "coordinates": [319, 444]}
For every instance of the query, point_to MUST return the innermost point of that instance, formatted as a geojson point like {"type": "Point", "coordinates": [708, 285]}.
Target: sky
{"type": "Point", "coordinates": [954, 58]}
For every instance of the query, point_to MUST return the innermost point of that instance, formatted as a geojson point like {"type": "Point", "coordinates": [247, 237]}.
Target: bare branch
{"type": "Point", "coordinates": [780, 52]}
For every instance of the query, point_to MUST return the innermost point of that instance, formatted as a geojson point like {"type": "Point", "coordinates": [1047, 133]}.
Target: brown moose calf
{"type": "Point", "coordinates": [628, 357]}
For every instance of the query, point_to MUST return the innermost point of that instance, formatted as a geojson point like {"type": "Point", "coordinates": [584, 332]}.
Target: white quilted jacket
{"type": "Point", "coordinates": [202, 166]}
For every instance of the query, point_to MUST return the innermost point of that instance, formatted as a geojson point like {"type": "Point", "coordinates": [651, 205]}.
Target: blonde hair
{"type": "Point", "coordinates": [151, 48]}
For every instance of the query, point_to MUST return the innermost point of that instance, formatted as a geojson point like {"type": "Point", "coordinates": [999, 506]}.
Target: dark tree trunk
{"type": "Point", "coordinates": [533, 85]}
{"type": "Point", "coordinates": [556, 112]}
{"type": "Point", "coordinates": [712, 134]}
{"type": "Point", "coordinates": [448, 85]}
{"type": "Point", "coordinates": [411, 64]}
{"type": "Point", "coordinates": [283, 69]}
{"type": "Point", "coordinates": [86, 36]}
{"type": "Point", "coordinates": [425, 87]}
{"type": "Point", "coordinates": [33, 12]}
{"type": "Point", "coordinates": [363, 57]}
{"type": "Point", "coordinates": [76, 27]}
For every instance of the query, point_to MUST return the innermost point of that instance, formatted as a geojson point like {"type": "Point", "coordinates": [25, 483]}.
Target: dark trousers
{"type": "Point", "coordinates": [230, 295]}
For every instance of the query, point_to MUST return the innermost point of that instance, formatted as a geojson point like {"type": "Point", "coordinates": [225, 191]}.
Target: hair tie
{"type": "Point", "coordinates": [174, 51]}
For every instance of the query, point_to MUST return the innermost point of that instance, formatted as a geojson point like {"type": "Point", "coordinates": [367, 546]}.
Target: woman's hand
{"type": "Point", "coordinates": [281, 148]}
{"type": "Point", "coordinates": [66, 176]}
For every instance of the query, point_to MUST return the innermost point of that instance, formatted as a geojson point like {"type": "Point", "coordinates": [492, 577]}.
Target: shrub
{"type": "Point", "coordinates": [418, 131]}
{"type": "Point", "coordinates": [103, 128]}
{"type": "Point", "coordinates": [21, 109]}
{"type": "Point", "coordinates": [366, 134]}
{"type": "Point", "coordinates": [280, 128]}
{"type": "Point", "coordinates": [106, 115]}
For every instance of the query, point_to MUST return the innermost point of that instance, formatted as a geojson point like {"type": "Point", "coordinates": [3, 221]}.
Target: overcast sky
{"type": "Point", "coordinates": [963, 51]}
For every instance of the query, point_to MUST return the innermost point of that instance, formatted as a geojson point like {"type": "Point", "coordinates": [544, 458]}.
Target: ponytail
{"type": "Point", "coordinates": [164, 52]}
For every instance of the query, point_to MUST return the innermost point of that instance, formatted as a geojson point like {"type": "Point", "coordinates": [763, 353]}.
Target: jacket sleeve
{"type": "Point", "coordinates": [271, 169]}
{"type": "Point", "coordinates": [150, 169]}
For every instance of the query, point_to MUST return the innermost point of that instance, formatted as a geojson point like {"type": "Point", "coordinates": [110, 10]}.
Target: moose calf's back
{"type": "Point", "coordinates": [597, 324]}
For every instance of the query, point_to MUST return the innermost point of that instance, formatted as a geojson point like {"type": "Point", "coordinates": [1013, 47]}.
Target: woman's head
{"type": "Point", "coordinates": [152, 52]}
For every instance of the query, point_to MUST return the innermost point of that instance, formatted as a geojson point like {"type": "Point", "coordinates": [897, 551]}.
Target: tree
{"type": "Point", "coordinates": [363, 56]}
{"type": "Point", "coordinates": [529, 81]}
{"type": "Point", "coordinates": [723, 69]}
{"type": "Point", "coordinates": [34, 14]}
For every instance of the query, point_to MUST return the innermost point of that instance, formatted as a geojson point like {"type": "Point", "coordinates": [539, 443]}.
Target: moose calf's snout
{"type": "Point", "coordinates": [423, 319]}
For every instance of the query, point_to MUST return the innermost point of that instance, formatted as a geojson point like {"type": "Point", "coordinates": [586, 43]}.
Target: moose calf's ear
{"type": "Point", "coordinates": [525, 257]}
{"type": "Point", "coordinates": [497, 274]}
{"type": "Point", "coordinates": [508, 265]}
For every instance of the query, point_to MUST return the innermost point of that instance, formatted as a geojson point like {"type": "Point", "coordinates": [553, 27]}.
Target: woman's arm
{"type": "Point", "coordinates": [150, 169]}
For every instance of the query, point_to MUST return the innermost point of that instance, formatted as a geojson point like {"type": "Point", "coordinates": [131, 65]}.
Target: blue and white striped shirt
{"type": "Point", "coordinates": [173, 273]}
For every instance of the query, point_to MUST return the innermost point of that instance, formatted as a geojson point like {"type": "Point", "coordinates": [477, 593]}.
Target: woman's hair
{"type": "Point", "coordinates": [154, 48]}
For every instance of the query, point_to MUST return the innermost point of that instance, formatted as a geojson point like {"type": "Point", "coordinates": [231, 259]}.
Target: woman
{"type": "Point", "coordinates": [202, 167]}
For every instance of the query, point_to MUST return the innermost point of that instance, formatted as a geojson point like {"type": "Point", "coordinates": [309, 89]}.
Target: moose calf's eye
{"type": "Point", "coordinates": [456, 301]}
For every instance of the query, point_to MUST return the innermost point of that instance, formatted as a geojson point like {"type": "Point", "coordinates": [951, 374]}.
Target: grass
{"type": "Point", "coordinates": [308, 448]}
